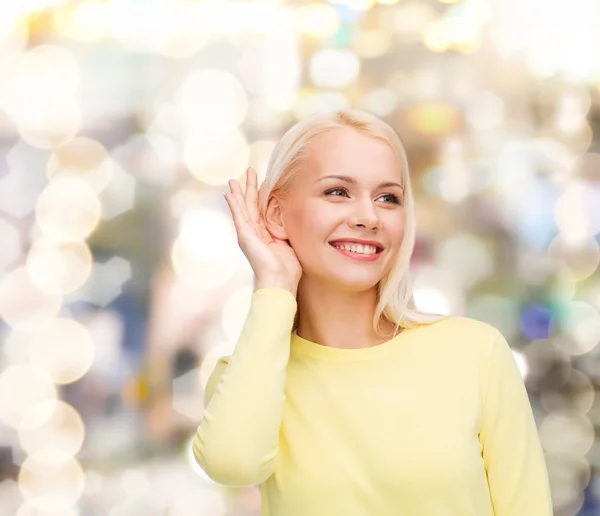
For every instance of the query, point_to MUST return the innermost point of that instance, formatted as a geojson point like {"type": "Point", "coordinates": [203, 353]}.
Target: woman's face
{"type": "Point", "coordinates": [322, 209]}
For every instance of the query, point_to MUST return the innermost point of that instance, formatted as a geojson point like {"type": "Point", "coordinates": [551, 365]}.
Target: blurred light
{"type": "Point", "coordinates": [521, 362]}
{"type": "Point", "coordinates": [31, 509]}
{"type": "Point", "coordinates": [63, 431]}
{"type": "Point", "coordinates": [381, 102]}
{"type": "Point", "coordinates": [264, 117]}
{"type": "Point", "coordinates": [135, 483]}
{"type": "Point", "coordinates": [87, 21]}
{"type": "Point", "coordinates": [331, 68]}
{"type": "Point", "coordinates": [372, 43]}
{"type": "Point", "coordinates": [46, 125]}
{"type": "Point", "coordinates": [260, 154]}
{"type": "Point", "coordinates": [581, 322]}
{"type": "Point", "coordinates": [485, 111]}
{"type": "Point", "coordinates": [207, 234]}
{"type": "Point", "coordinates": [84, 158]}
{"type": "Point", "coordinates": [14, 35]}
{"type": "Point", "coordinates": [454, 181]}
{"type": "Point", "coordinates": [212, 100]}
{"type": "Point", "coordinates": [360, 5]}
{"type": "Point", "coordinates": [51, 480]}
{"type": "Point", "coordinates": [437, 291]}
{"type": "Point", "coordinates": [235, 310]}
{"type": "Point", "coordinates": [68, 209]}
{"type": "Point", "coordinates": [566, 434]}
{"type": "Point", "coordinates": [468, 258]}
{"type": "Point", "coordinates": [318, 20]}
{"type": "Point", "coordinates": [433, 118]}
{"type": "Point", "coordinates": [22, 304]}
{"type": "Point", "coordinates": [501, 312]}
{"type": "Point", "coordinates": [573, 107]}
{"type": "Point", "coordinates": [10, 249]}
{"type": "Point", "coordinates": [216, 157]}
{"type": "Point", "coordinates": [28, 386]}
{"type": "Point", "coordinates": [63, 349]}
{"type": "Point", "coordinates": [204, 274]}
{"type": "Point", "coordinates": [581, 255]}
{"type": "Point", "coordinates": [59, 267]}
{"type": "Point", "coordinates": [408, 20]}
{"type": "Point", "coordinates": [535, 322]}
{"type": "Point", "coordinates": [576, 395]}
{"type": "Point", "coordinates": [106, 282]}
{"type": "Point", "coordinates": [311, 101]}
{"type": "Point", "coordinates": [119, 195]}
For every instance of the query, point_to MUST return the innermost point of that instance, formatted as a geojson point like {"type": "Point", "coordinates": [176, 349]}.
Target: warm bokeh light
{"type": "Point", "coordinates": [68, 209]}
{"type": "Point", "coordinates": [22, 304]}
{"type": "Point", "coordinates": [64, 350]}
{"type": "Point", "coordinates": [83, 158]}
{"type": "Point", "coordinates": [52, 480]}
{"type": "Point", "coordinates": [27, 386]}
{"type": "Point", "coordinates": [59, 267]}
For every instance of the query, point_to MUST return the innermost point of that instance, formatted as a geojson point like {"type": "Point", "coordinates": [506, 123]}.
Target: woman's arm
{"type": "Point", "coordinates": [237, 440]}
{"type": "Point", "coordinates": [512, 452]}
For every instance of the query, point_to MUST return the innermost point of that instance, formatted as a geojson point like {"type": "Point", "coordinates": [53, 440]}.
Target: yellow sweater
{"type": "Point", "coordinates": [434, 422]}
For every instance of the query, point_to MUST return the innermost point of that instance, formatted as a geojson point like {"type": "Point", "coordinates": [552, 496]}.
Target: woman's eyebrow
{"type": "Point", "coordinates": [353, 181]}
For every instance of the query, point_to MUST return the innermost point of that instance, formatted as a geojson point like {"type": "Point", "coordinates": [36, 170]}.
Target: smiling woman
{"type": "Point", "coordinates": [341, 397]}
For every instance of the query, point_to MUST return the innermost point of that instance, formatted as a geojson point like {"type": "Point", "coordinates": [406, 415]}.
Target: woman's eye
{"type": "Point", "coordinates": [395, 199]}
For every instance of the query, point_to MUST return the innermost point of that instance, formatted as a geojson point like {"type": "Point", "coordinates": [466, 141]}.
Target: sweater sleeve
{"type": "Point", "coordinates": [236, 443]}
{"type": "Point", "coordinates": [511, 448]}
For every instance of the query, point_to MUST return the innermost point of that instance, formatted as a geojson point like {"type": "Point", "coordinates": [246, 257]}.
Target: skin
{"type": "Point", "coordinates": [337, 295]}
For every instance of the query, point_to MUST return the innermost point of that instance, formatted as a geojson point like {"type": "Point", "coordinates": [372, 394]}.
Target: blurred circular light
{"type": "Point", "coordinates": [46, 124]}
{"type": "Point", "coordinates": [207, 234]}
{"type": "Point", "coordinates": [566, 434]}
{"type": "Point", "coordinates": [318, 20]}
{"type": "Point", "coordinates": [63, 349]}
{"type": "Point", "coordinates": [371, 43]}
{"type": "Point", "coordinates": [68, 209]}
{"type": "Point", "coordinates": [51, 480]}
{"type": "Point", "coordinates": [215, 158]}
{"type": "Point", "coordinates": [59, 267]}
{"type": "Point", "coordinates": [87, 21]}
{"type": "Point", "coordinates": [260, 154]}
{"type": "Point", "coordinates": [62, 431]}
{"type": "Point", "coordinates": [581, 255]}
{"type": "Point", "coordinates": [310, 101]}
{"type": "Point", "coordinates": [212, 100]}
{"type": "Point", "coordinates": [581, 322]}
{"type": "Point", "coordinates": [204, 274]}
{"type": "Point", "coordinates": [577, 394]}
{"type": "Point", "coordinates": [23, 305]}
{"type": "Point", "coordinates": [433, 118]}
{"type": "Point", "coordinates": [381, 102]}
{"type": "Point", "coordinates": [331, 68]}
{"type": "Point", "coordinates": [21, 388]}
{"type": "Point", "coordinates": [83, 158]}
{"type": "Point", "coordinates": [11, 244]}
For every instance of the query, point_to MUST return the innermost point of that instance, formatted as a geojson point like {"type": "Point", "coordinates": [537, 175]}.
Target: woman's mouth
{"type": "Point", "coordinates": [366, 253]}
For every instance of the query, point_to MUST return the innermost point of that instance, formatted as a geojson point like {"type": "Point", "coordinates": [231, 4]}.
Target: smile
{"type": "Point", "coordinates": [369, 256]}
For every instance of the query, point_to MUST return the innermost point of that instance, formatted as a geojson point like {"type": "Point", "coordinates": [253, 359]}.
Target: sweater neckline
{"type": "Point", "coordinates": [307, 348]}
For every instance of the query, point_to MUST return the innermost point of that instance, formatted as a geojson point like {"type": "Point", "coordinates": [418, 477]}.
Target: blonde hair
{"type": "Point", "coordinates": [395, 295]}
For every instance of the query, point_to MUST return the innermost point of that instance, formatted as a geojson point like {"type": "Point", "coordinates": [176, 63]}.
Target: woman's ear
{"type": "Point", "coordinates": [273, 218]}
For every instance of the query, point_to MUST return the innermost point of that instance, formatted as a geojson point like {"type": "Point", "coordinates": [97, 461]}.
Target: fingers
{"type": "Point", "coordinates": [252, 194]}
{"type": "Point", "coordinates": [238, 195]}
{"type": "Point", "coordinates": [239, 218]}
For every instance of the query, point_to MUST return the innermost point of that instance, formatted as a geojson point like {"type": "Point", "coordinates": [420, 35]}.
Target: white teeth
{"type": "Point", "coordinates": [357, 248]}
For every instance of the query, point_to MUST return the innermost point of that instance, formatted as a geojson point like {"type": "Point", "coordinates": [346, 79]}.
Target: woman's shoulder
{"type": "Point", "coordinates": [465, 330]}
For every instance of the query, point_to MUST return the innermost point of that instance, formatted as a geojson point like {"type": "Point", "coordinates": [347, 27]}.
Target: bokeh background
{"type": "Point", "coordinates": [121, 281]}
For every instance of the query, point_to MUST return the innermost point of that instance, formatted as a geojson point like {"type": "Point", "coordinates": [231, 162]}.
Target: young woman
{"type": "Point", "coordinates": [341, 398]}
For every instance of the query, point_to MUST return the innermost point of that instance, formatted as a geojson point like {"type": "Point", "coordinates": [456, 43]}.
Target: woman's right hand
{"type": "Point", "coordinates": [273, 260]}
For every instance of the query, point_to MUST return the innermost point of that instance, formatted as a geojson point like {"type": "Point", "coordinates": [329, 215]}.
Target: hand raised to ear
{"type": "Point", "coordinates": [273, 260]}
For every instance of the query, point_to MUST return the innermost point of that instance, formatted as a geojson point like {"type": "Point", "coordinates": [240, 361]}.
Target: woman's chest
{"type": "Point", "coordinates": [407, 430]}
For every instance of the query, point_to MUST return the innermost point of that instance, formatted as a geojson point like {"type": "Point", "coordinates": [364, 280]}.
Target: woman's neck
{"type": "Point", "coordinates": [337, 318]}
